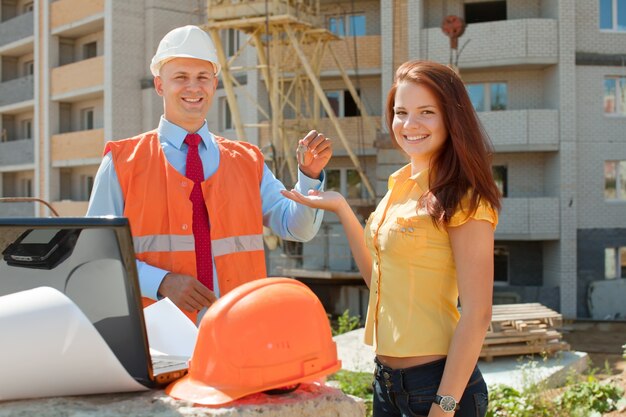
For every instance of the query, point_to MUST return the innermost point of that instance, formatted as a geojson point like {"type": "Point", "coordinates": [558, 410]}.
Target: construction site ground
{"type": "Point", "coordinates": [599, 343]}
{"type": "Point", "coordinates": [603, 342]}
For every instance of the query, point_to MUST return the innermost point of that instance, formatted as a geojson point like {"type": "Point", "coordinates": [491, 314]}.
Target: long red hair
{"type": "Point", "coordinates": [463, 163]}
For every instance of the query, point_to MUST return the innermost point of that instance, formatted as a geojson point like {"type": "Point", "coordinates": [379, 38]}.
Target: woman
{"type": "Point", "coordinates": [428, 244]}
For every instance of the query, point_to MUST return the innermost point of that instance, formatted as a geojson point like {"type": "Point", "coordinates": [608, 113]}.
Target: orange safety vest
{"type": "Point", "coordinates": [156, 202]}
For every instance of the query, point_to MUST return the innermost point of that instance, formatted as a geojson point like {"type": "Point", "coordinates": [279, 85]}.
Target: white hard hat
{"type": "Point", "coordinates": [185, 42]}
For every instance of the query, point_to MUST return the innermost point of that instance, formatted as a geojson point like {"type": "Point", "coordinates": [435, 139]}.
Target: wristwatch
{"type": "Point", "coordinates": [447, 403]}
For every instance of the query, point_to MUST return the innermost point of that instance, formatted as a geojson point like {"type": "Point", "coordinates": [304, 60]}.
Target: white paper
{"type": "Point", "coordinates": [49, 348]}
{"type": "Point", "coordinates": [169, 331]}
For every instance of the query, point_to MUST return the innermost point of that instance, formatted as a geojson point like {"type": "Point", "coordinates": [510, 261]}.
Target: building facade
{"type": "Point", "coordinates": [71, 75]}
{"type": "Point", "coordinates": [547, 77]}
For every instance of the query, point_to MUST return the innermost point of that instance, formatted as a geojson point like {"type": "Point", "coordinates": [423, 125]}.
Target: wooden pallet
{"type": "Point", "coordinates": [523, 329]}
{"type": "Point", "coordinates": [488, 353]}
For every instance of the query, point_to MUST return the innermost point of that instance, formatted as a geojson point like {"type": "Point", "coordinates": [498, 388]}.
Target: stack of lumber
{"type": "Point", "coordinates": [523, 329]}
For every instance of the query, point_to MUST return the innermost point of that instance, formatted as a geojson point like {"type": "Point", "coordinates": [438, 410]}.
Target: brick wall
{"type": "Point", "coordinates": [124, 68]}
{"type": "Point", "coordinates": [400, 32]}
{"type": "Point", "coordinates": [516, 9]}
{"type": "Point", "coordinates": [600, 138]}
{"type": "Point", "coordinates": [526, 173]}
{"type": "Point", "coordinates": [589, 38]}
{"type": "Point", "coordinates": [525, 88]}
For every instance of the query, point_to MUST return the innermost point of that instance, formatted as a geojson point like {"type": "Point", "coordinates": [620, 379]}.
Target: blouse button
{"type": "Point", "coordinates": [185, 227]}
{"type": "Point", "coordinates": [183, 183]}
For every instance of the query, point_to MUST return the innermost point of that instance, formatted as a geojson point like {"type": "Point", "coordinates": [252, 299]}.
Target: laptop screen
{"type": "Point", "coordinates": [90, 260]}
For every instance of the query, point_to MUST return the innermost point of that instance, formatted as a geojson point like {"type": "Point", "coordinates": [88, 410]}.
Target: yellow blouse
{"type": "Point", "coordinates": [413, 293]}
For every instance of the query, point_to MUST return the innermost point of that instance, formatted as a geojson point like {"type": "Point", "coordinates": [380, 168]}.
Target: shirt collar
{"type": "Point", "coordinates": [175, 134]}
{"type": "Point", "coordinates": [404, 174]}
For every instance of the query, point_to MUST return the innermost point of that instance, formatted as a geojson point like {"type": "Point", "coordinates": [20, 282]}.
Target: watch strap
{"type": "Point", "coordinates": [439, 398]}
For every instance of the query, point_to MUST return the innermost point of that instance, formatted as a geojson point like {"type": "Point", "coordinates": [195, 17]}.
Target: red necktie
{"type": "Point", "coordinates": [201, 227]}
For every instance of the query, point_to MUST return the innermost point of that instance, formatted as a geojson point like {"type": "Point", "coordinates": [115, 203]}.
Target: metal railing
{"type": "Point", "coordinates": [29, 200]}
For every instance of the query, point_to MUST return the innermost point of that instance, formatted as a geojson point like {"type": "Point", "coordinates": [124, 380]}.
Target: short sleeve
{"type": "Point", "coordinates": [484, 211]}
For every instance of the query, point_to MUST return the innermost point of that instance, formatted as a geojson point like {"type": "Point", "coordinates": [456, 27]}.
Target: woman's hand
{"type": "Point", "coordinates": [333, 201]}
{"type": "Point", "coordinates": [327, 200]}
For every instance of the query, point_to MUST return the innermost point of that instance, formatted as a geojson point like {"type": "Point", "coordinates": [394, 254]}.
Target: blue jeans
{"type": "Point", "coordinates": [410, 392]}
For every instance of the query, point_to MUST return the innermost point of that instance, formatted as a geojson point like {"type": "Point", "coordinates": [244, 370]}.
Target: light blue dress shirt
{"type": "Point", "coordinates": [286, 218]}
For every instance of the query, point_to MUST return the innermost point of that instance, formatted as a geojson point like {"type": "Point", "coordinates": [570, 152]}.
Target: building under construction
{"type": "Point", "coordinates": [546, 76]}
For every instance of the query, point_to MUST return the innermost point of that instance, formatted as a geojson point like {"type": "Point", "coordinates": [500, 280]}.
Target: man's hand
{"type": "Point", "coordinates": [313, 153]}
{"type": "Point", "coordinates": [186, 292]}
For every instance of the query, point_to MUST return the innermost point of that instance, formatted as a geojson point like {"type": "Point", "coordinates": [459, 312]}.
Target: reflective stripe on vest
{"type": "Point", "coordinates": [182, 243]}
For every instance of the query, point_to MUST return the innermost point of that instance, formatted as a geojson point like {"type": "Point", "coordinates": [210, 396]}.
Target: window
{"type": "Point", "coordinates": [230, 41]}
{"type": "Point", "coordinates": [27, 129]}
{"type": "Point", "coordinates": [615, 262]}
{"type": "Point", "coordinates": [615, 96]}
{"type": "Point", "coordinates": [342, 103]}
{"type": "Point", "coordinates": [28, 7]}
{"type": "Point", "coordinates": [26, 187]}
{"type": "Point", "coordinates": [86, 117]}
{"type": "Point", "coordinates": [488, 96]}
{"type": "Point", "coordinates": [90, 50]}
{"type": "Point", "coordinates": [293, 250]}
{"type": "Point", "coordinates": [335, 98]}
{"type": "Point", "coordinates": [615, 180]}
{"type": "Point", "coordinates": [65, 183]}
{"type": "Point", "coordinates": [501, 264]}
{"type": "Point", "coordinates": [65, 117]}
{"type": "Point", "coordinates": [486, 11]}
{"type": "Point", "coordinates": [347, 25]}
{"type": "Point", "coordinates": [86, 187]}
{"type": "Point", "coordinates": [347, 182]}
{"type": "Point", "coordinates": [500, 177]}
{"type": "Point", "coordinates": [613, 15]}
{"type": "Point", "coordinates": [226, 118]}
{"type": "Point", "coordinates": [66, 51]}
{"type": "Point", "coordinates": [28, 68]}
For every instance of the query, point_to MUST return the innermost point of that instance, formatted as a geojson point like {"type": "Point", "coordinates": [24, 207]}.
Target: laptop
{"type": "Point", "coordinates": [92, 261]}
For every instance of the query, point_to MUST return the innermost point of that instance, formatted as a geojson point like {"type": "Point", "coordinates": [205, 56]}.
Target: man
{"type": "Point", "coordinates": [197, 203]}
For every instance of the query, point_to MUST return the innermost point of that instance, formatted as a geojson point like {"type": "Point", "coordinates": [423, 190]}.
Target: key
{"type": "Point", "coordinates": [301, 153]}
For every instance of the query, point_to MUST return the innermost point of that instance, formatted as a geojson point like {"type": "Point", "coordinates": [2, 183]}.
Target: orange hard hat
{"type": "Point", "coordinates": [265, 334]}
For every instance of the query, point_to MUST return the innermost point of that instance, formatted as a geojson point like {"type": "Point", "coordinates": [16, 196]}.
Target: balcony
{"type": "Point", "coordinates": [522, 130]}
{"type": "Point", "coordinates": [351, 127]}
{"type": "Point", "coordinates": [78, 80]}
{"type": "Point", "coordinates": [17, 152]}
{"type": "Point", "coordinates": [75, 18]}
{"type": "Point", "coordinates": [69, 208]}
{"type": "Point", "coordinates": [75, 147]}
{"type": "Point", "coordinates": [529, 219]}
{"type": "Point", "coordinates": [17, 90]}
{"type": "Point", "coordinates": [526, 42]}
{"type": "Point", "coordinates": [17, 209]}
{"type": "Point", "coordinates": [18, 31]}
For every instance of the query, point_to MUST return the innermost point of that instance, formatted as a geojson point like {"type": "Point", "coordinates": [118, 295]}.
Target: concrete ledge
{"type": "Point", "coordinates": [520, 372]}
{"type": "Point", "coordinates": [514, 371]}
{"type": "Point", "coordinates": [310, 400]}
{"type": "Point", "coordinates": [355, 355]}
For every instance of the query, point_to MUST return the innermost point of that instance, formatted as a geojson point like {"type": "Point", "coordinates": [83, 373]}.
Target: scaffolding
{"type": "Point", "coordinates": [290, 41]}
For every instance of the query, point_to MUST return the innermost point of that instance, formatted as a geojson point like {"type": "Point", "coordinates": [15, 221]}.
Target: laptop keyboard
{"type": "Point", "coordinates": [161, 363]}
